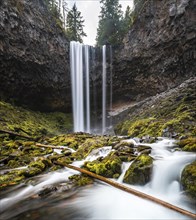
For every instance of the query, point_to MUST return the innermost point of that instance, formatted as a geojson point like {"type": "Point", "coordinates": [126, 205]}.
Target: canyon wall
{"type": "Point", "coordinates": [158, 53]}
{"type": "Point", "coordinates": [34, 57]}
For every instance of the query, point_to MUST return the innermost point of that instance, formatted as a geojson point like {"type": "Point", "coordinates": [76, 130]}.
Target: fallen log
{"type": "Point", "coordinates": [132, 191]}
{"type": "Point", "coordinates": [16, 134]}
{"type": "Point", "coordinates": [49, 146]}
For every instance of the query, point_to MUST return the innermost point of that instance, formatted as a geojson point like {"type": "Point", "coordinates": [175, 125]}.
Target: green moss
{"type": "Point", "coordinates": [174, 113]}
{"type": "Point", "coordinates": [188, 144]}
{"type": "Point", "coordinates": [88, 145]}
{"type": "Point", "coordinates": [11, 178]}
{"type": "Point", "coordinates": [38, 164]}
{"type": "Point", "coordinates": [188, 179]}
{"type": "Point", "coordinates": [65, 160]}
{"type": "Point", "coordinates": [81, 180]}
{"type": "Point", "coordinates": [139, 171]}
{"type": "Point", "coordinates": [33, 123]}
{"type": "Point", "coordinates": [110, 166]}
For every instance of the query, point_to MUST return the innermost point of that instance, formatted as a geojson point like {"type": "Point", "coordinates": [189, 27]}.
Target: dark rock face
{"type": "Point", "coordinates": [158, 52]}
{"type": "Point", "coordinates": [34, 57]}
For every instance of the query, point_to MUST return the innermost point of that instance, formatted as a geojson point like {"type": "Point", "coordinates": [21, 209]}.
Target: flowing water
{"type": "Point", "coordinates": [101, 201]}
{"type": "Point", "coordinates": [104, 91]}
{"type": "Point", "coordinates": [88, 82]}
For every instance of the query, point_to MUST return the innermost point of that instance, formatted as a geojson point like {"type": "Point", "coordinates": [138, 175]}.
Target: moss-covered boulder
{"type": "Point", "coordinates": [139, 171]}
{"type": "Point", "coordinates": [81, 180]}
{"type": "Point", "coordinates": [188, 144]}
{"type": "Point", "coordinates": [12, 178]}
{"type": "Point", "coordinates": [188, 179]}
{"type": "Point", "coordinates": [89, 144]}
{"type": "Point", "coordinates": [110, 166]}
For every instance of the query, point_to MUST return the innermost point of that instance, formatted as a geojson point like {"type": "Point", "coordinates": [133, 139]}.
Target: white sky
{"type": "Point", "coordinates": [90, 10]}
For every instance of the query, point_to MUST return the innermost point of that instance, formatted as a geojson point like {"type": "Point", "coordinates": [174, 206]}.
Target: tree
{"type": "Point", "coordinates": [74, 25]}
{"type": "Point", "coordinates": [110, 23]}
{"type": "Point", "coordinates": [128, 19]}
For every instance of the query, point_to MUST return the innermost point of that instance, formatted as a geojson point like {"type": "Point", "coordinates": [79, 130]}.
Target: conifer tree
{"type": "Point", "coordinates": [74, 25]}
{"type": "Point", "coordinates": [110, 27]}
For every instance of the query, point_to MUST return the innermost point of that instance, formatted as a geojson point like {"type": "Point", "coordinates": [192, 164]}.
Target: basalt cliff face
{"type": "Point", "coordinates": [158, 53]}
{"type": "Point", "coordinates": [34, 57]}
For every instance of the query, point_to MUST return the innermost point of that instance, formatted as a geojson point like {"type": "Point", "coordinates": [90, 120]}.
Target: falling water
{"type": "Point", "coordinates": [104, 90]}
{"type": "Point", "coordinates": [76, 57]}
{"type": "Point", "coordinates": [87, 89]}
{"type": "Point", "coordinates": [80, 59]}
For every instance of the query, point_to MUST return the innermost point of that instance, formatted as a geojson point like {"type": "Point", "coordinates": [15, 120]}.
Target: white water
{"type": "Point", "coordinates": [87, 89]}
{"type": "Point", "coordinates": [80, 58]}
{"type": "Point", "coordinates": [105, 202]}
{"type": "Point", "coordinates": [104, 90]}
{"type": "Point", "coordinates": [76, 57]}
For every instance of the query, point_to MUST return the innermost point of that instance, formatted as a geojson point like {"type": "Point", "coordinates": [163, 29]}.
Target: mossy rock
{"type": "Point", "coordinates": [64, 160]}
{"type": "Point", "coordinates": [89, 144]}
{"type": "Point", "coordinates": [12, 178]}
{"type": "Point", "coordinates": [110, 166]}
{"type": "Point", "coordinates": [188, 144]}
{"type": "Point", "coordinates": [71, 140]}
{"type": "Point", "coordinates": [81, 180]}
{"type": "Point", "coordinates": [188, 179]}
{"type": "Point", "coordinates": [32, 171]}
{"type": "Point", "coordinates": [139, 172]}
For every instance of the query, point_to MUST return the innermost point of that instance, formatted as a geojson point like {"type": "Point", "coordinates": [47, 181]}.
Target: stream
{"type": "Point", "coordinates": [101, 201]}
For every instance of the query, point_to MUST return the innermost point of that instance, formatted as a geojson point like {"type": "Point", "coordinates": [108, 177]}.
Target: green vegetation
{"type": "Point", "coordinates": [81, 180]}
{"type": "Point", "coordinates": [31, 123]}
{"type": "Point", "coordinates": [188, 179]}
{"type": "Point", "coordinates": [139, 171]}
{"type": "Point", "coordinates": [110, 24]}
{"type": "Point", "coordinates": [74, 25]}
{"type": "Point", "coordinates": [171, 116]}
{"type": "Point", "coordinates": [110, 166]}
{"type": "Point", "coordinates": [188, 144]}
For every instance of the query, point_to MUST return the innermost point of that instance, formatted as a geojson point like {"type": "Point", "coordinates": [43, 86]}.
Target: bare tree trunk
{"type": "Point", "coordinates": [132, 191]}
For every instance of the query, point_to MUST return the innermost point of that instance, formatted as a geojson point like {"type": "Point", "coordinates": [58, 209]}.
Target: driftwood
{"type": "Point", "coordinates": [132, 191]}
{"type": "Point", "coordinates": [50, 146]}
{"type": "Point", "coordinates": [16, 134]}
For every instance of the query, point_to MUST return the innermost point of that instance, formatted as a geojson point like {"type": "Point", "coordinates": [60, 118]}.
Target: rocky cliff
{"type": "Point", "coordinates": [34, 56]}
{"type": "Point", "coordinates": [158, 53]}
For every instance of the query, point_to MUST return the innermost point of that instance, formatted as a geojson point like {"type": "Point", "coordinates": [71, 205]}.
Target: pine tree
{"type": "Point", "coordinates": [110, 23]}
{"type": "Point", "coordinates": [75, 25]}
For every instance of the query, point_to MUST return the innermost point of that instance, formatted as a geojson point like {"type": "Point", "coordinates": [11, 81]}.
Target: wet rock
{"type": "Point", "coordinates": [109, 167]}
{"type": "Point", "coordinates": [188, 144]}
{"type": "Point", "coordinates": [188, 180]}
{"type": "Point", "coordinates": [81, 180]}
{"type": "Point", "coordinates": [139, 172]}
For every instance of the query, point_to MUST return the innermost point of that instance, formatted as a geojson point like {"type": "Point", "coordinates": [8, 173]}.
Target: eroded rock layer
{"type": "Point", "coordinates": [158, 52]}
{"type": "Point", "coordinates": [34, 57]}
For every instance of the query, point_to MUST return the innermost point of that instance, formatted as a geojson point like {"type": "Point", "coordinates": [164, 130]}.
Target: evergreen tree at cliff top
{"type": "Point", "coordinates": [110, 27]}
{"type": "Point", "coordinates": [74, 25]}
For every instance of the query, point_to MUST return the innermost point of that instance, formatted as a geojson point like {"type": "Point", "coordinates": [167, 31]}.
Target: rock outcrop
{"type": "Point", "coordinates": [34, 57]}
{"type": "Point", "coordinates": [158, 53]}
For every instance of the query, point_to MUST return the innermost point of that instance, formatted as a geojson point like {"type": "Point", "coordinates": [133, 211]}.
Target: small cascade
{"type": "Point", "coordinates": [85, 81]}
{"type": "Point", "coordinates": [101, 201]}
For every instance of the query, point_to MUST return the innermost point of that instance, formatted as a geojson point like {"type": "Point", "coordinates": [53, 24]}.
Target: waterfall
{"type": "Point", "coordinates": [76, 58]}
{"type": "Point", "coordinates": [87, 89]}
{"type": "Point", "coordinates": [83, 72]}
{"type": "Point", "coordinates": [104, 90]}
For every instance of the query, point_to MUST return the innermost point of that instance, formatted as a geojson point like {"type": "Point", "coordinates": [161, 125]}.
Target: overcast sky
{"type": "Point", "coordinates": [90, 10]}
